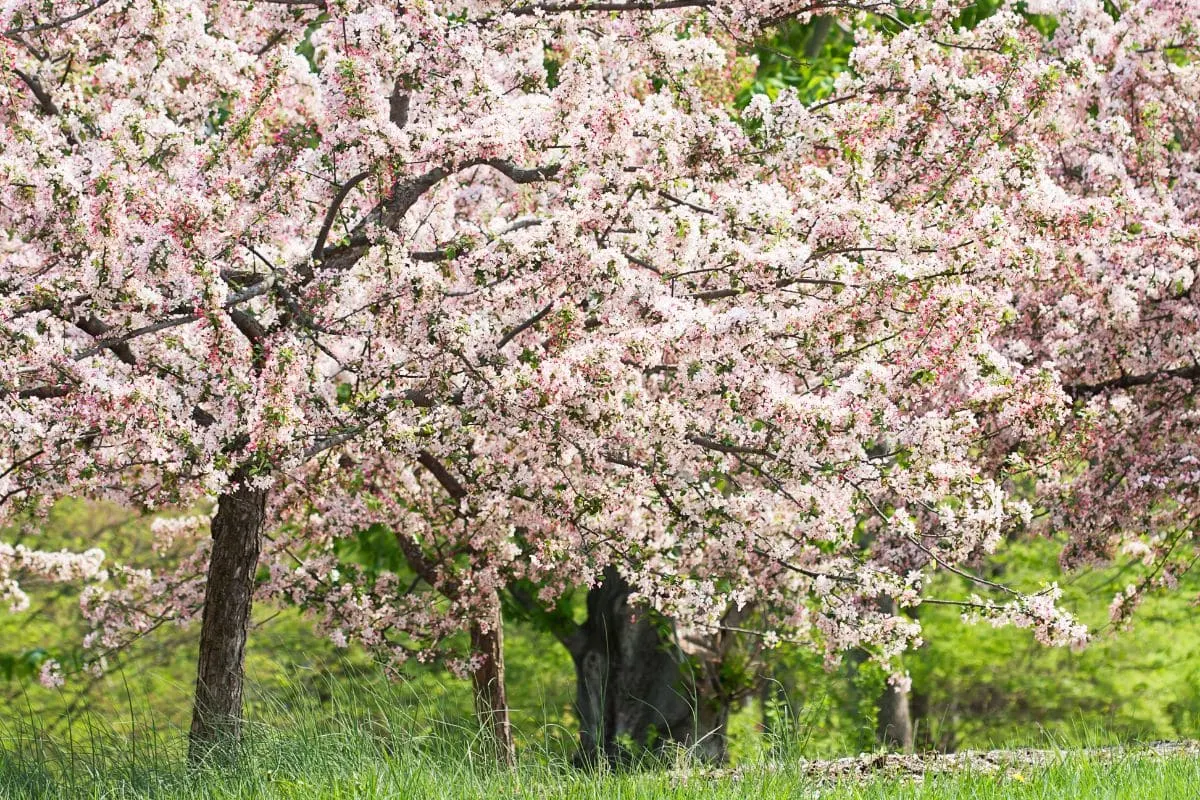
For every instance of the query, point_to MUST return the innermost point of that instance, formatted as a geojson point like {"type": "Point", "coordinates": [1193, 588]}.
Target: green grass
{"type": "Point", "coordinates": [373, 753]}
{"type": "Point", "coordinates": [327, 723]}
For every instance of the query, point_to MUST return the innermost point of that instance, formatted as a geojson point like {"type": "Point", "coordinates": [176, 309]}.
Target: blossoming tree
{"type": "Point", "coordinates": [1114, 311]}
{"type": "Point", "coordinates": [518, 282]}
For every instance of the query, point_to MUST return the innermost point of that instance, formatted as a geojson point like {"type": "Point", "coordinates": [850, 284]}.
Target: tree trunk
{"type": "Point", "coordinates": [895, 722]}
{"type": "Point", "coordinates": [487, 681]}
{"type": "Point", "coordinates": [636, 690]}
{"type": "Point", "coordinates": [819, 28]}
{"type": "Point", "coordinates": [893, 718]}
{"type": "Point", "coordinates": [895, 730]}
{"type": "Point", "coordinates": [220, 670]}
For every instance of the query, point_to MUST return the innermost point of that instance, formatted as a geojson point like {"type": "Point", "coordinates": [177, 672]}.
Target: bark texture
{"type": "Point", "coordinates": [220, 670]}
{"type": "Point", "coordinates": [637, 690]}
{"type": "Point", "coordinates": [487, 681]}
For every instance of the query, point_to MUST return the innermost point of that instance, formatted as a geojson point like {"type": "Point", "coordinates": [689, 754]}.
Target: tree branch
{"type": "Point", "coordinates": [443, 476]}
{"type": "Point", "coordinates": [718, 294]}
{"type": "Point", "coordinates": [343, 191]}
{"type": "Point", "coordinates": [601, 7]}
{"type": "Point", "coordinates": [398, 105]}
{"type": "Point", "coordinates": [512, 333]}
{"type": "Point", "coordinates": [250, 292]}
{"type": "Point", "coordinates": [404, 195]}
{"type": "Point", "coordinates": [416, 559]}
{"type": "Point", "coordinates": [97, 328]}
{"type": "Point", "coordinates": [49, 108]}
{"type": "Point", "coordinates": [57, 23]}
{"type": "Point", "coordinates": [730, 449]}
{"type": "Point", "coordinates": [1083, 390]}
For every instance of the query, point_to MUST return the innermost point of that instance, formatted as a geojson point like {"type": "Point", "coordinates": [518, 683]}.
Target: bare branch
{"type": "Point", "coordinates": [602, 7]}
{"type": "Point", "coordinates": [521, 174]}
{"type": "Point", "coordinates": [680, 202]}
{"type": "Point", "coordinates": [43, 392]}
{"type": "Point", "coordinates": [420, 564]}
{"type": "Point", "coordinates": [234, 300]}
{"type": "Point", "coordinates": [641, 262]}
{"type": "Point", "coordinates": [43, 97]}
{"type": "Point", "coordinates": [1082, 390]}
{"type": "Point", "coordinates": [398, 105]}
{"type": "Point", "coordinates": [404, 195]}
{"type": "Point", "coordinates": [717, 294]}
{"type": "Point", "coordinates": [57, 23]}
{"type": "Point", "coordinates": [251, 328]}
{"type": "Point", "coordinates": [49, 108]}
{"type": "Point", "coordinates": [145, 330]}
{"type": "Point", "coordinates": [730, 449]}
{"type": "Point", "coordinates": [443, 475]}
{"type": "Point", "coordinates": [524, 326]}
{"type": "Point", "coordinates": [97, 328]}
{"type": "Point", "coordinates": [331, 215]}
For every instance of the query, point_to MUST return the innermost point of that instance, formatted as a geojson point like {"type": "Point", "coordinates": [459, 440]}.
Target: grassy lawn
{"type": "Point", "coordinates": [365, 759]}
{"type": "Point", "coordinates": [326, 723]}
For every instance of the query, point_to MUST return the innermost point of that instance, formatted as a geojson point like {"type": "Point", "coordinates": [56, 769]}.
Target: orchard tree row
{"type": "Point", "coordinates": [524, 287]}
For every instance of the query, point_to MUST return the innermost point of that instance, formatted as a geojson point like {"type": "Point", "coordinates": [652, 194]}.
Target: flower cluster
{"type": "Point", "coordinates": [1112, 312]}
{"type": "Point", "coordinates": [62, 567]}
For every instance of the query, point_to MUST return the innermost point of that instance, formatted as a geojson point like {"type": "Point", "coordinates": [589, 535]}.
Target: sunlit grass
{"type": "Point", "coordinates": [377, 749]}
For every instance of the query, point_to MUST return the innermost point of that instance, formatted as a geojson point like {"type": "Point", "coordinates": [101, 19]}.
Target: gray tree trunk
{"type": "Point", "coordinates": [893, 716]}
{"type": "Point", "coordinates": [487, 681]}
{"type": "Point", "coordinates": [818, 32]}
{"type": "Point", "coordinates": [895, 720]}
{"type": "Point", "coordinates": [895, 729]}
{"type": "Point", "coordinates": [636, 689]}
{"type": "Point", "coordinates": [220, 669]}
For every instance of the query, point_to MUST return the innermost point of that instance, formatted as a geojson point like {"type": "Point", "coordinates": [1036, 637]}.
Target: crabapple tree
{"type": "Point", "coordinates": [1113, 309]}
{"type": "Point", "coordinates": [520, 283]}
